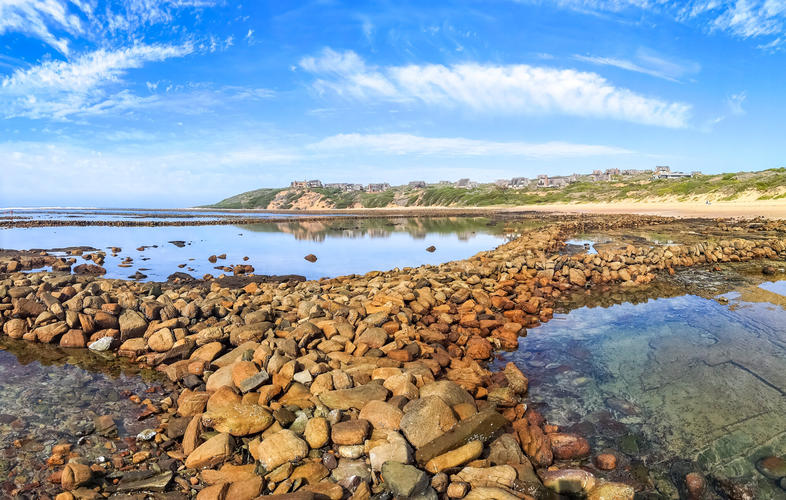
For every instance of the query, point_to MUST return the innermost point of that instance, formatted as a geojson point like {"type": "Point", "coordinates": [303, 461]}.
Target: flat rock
{"type": "Point", "coordinates": [404, 480]}
{"type": "Point", "coordinates": [426, 419]}
{"type": "Point", "coordinates": [482, 426]}
{"type": "Point", "coordinates": [357, 397]}
{"type": "Point", "coordinates": [238, 419]}
{"type": "Point", "coordinates": [155, 483]}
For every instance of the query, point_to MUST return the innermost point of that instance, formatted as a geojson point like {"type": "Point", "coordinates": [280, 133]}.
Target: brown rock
{"type": "Point", "coordinates": [350, 432]}
{"type": "Point", "coordinates": [426, 419]}
{"type": "Point", "coordinates": [75, 475]}
{"type": "Point", "coordinates": [317, 432]}
{"type": "Point", "coordinates": [73, 338]}
{"type": "Point", "coordinates": [606, 461]}
{"type": "Point", "coordinates": [479, 348]}
{"type": "Point", "coordinates": [238, 419]}
{"type": "Point", "coordinates": [568, 446]}
{"type": "Point", "coordinates": [213, 451]}
{"type": "Point", "coordinates": [162, 340]}
{"type": "Point", "coordinates": [191, 403]}
{"type": "Point", "coordinates": [279, 448]}
{"type": "Point", "coordinates": [382, 415]}
{"type": "Point", "coordinates": [455, 458]}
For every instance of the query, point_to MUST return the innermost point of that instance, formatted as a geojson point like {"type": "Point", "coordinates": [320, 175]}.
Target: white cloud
{"type": "Point", "coordinates": [406, 144]}
{"type": "Point", "coordinates": [739, 18]}
{"type": "Point", "coordinates": [42, 19]}
{"type": "Point", "coordinates": [509, 89]}
{"type": "Point", "coordinates": [59, 89]}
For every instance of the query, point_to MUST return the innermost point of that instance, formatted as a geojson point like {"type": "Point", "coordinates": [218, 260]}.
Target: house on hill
{"type": "Point", "coordinates": [378, 188]}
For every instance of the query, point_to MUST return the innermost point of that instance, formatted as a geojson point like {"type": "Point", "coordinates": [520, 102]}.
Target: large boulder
{"type": "Point", "coordinates": [426, 419]}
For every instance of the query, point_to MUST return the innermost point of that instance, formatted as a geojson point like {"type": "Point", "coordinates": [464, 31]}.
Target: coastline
{"type": "Point", "coordinates": [429, 325]}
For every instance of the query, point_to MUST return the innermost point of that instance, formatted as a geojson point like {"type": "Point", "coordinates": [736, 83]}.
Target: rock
{"type": "Point", "coordinates": [516, 379]}
{"type": "Point", "coordinates": [482, 426]}
{"type": "Point", "coordinates": [279, 448]}
{"type": "Point", "coordinates": [568, 446]}
{"type": "Point", "coordinates": [347, 468]}
{"type": "Point", "coordinates": [382, 415]}
{"type": "Point", "coordinates": [503, 396]}
{"type": "Point", "coordinates": [611, 491]}
{"type": "Point", "coordinates": [311, 258]}
{"type": "Point", "coordinates": [479, 348]}
{"type": "Point", "coordinates": [500, 475]}
{"type": "Point", "coordinates": [132, 347]}
{"type": "Point", "coordinates": [457, 489]}
{"type": "Point", "coordinates": [350, 432]}
{"type": "Point", "coordinates": [75, 475]}
{"type": "Point", "coordinates": [102, 344]}
{"type": "Point", "coordinates": [238, 419]}
{"type": "Point", "coordinates": [215, 450]}
{"type": "Point", "coordinates": [426, 419]}
{"type": "Point", "coordinates": [448, 391]}
{"type": "Point", "coordinates": [455, 458]}
{"type": "Point", "coordinates": [374, 337]}
{"type": "Point", "coordinates": [162, 340]}
{"type": "Point", "coordinates": [105, 426]}
{"type": "Point", "coordinates": [73, 339]}
{"type": "Point", "coordinates": [317, 432]}
{"type": "Point", "coordinates": [254, 382]}
{"type": "Point", "coordinates": [403, 480]}
{"type": "Point", "coordinates": [571, 481]}
{"type": "Point", "coordinates": [396, 449]}
{"type": "Point", "coordinates": [772, 467]}
{"type": "Point", "coordinates": [357, 397]}
{"type": "Point", "coordinates": [606, 461]}
{"type": "Point", "coordinates": [695, 485]}
{"type": "Point", "coordinates": [576, 277]}
{"type": "Point", "coordinates": [50, 332]}
{"type": "Point", "coordinates": [431, 249]}
{"type": "Point", "coordinates": [534, 442]}
{"type": "Point", "coordinates": [132, 325]}
{"type": "Point", "coordinates": [191, 403]}
{"type": "Point", "coordinates": [505, 450]}
{"type": "Point", "coordinates": [214, 492]}
{"type": "Point", "coordinates": [15, 328]}
{"type": "Point", "coordinates": [154, 483]}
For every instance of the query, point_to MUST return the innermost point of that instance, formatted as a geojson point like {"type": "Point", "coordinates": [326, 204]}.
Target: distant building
{"type": "Point", "coordinates": [664, 172]}
{"type": "Point", "coordinates": [612, 171]}
{"type": "Point", "coordinates": [314, 184]}
{"type": "Point", "coordinates": [444, 183]}
{"type": "Point", "coordinates": [378, 188]}
{"type": "Point", "coordinates": [417, 184]}
{"type": "Point", "coordinates": [630, 172]}
{"type": "Point", "coordinates": [558, 181]}
{"type": "Point", "coordinates": [298, 185]}
{"type": "Point", "coordinates": [503, 183]}
{"type": "Point", "coordinates": [519, 182]}
{"type": "Point", "coordinates": [345, 186]}
{"type": "Point", "coordinates": [466, 184]}
{"type": "Point", "coordinates": [543, 181]}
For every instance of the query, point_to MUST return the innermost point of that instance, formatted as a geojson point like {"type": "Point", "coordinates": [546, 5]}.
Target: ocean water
{"type": "Point", "coordinates": [342, 246]}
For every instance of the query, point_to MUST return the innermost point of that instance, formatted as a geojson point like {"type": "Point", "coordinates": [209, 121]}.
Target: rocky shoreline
{"type": "Point", "coordinates": [353, 387]}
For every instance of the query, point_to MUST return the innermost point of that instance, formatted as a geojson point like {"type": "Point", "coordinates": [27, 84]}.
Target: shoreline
{"type": "Point", "coordinates": [432, 330]}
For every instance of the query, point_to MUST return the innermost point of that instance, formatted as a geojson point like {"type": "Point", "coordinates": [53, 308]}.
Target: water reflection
{"type": "Point", "coordinates": [342, 246]}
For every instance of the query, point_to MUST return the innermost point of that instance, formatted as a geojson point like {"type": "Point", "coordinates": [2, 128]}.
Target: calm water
{"type": "Point", "coordinates": [342, 247]}
{"type": "Point", "coordinates": [676, 384]}
{"type": "Point", "coordinates": [50, 396]}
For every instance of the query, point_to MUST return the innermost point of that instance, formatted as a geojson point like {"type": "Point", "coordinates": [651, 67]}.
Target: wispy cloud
{"type": "Point", "coordinates": [407, 144]}
{"type": "Point", "coordinates": [647, 62]}
{"type": "Point", "coordinates": [735, 102]}
{"type": "Point", "coordinates": [758, 19]}
{"type": "Point", "coordinates": [509, 89]}
{"type": "Point", "coordinates": [59, 89]}
{"type": "Point", "coordinates": [46, 20]}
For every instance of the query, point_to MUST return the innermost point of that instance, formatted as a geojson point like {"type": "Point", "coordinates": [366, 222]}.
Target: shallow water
{"type": "Point", "coordinates": [342, 247]}
{"type": "Point", "coordinates": [50, 396]}
{"type": "Point", "coordinates": [676, 384]}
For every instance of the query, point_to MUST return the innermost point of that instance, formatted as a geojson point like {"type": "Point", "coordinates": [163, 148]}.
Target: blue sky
{"type": "Point", "coordinates": [183, 102]}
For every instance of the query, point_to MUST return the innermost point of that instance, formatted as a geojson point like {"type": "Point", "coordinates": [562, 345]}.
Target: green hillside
{"type": "Point", "coordinates": [762, 185]}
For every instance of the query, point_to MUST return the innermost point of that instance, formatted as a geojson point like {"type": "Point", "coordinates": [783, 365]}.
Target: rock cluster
{"type": "Point", "coordinates": [353, 386]}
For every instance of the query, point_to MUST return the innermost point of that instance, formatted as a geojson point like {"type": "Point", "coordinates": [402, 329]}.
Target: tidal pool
{"type": "Point", "coordinates": [50, 396]}
{"type": "Point", "coordinates": [342, 247]}
{"type": "Point", "coordinates": [676, 384]}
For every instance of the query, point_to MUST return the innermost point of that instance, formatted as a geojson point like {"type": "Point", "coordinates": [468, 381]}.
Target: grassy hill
{"type": "Point", "coordinates": [763, 185]}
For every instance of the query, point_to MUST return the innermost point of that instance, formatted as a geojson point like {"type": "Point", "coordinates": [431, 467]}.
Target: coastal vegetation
{"type": "Point", "coordinates": [761, 185]}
